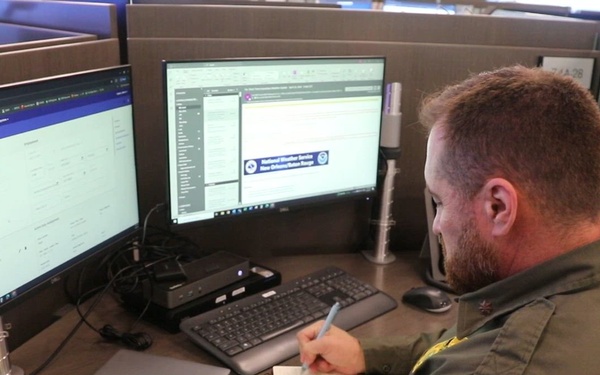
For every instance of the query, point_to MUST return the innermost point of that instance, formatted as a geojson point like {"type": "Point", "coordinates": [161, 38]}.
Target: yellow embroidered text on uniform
{"type": "Point", "coordinates": [436, 349]}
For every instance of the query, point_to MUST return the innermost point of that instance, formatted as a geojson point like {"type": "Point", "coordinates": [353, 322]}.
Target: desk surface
{"type": "Point", "coordinates": [87, 351]}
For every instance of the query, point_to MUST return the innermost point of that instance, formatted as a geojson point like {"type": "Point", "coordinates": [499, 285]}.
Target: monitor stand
{"type": "Point", "coordinates": [5, 366]}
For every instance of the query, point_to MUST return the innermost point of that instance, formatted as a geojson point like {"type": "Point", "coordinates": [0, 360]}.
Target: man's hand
{"type": "Point", "coordinates": [337, 351]}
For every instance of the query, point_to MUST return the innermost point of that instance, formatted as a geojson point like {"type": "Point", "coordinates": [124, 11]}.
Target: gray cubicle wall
{"type": "Point", "coordinates": [40, 62]}
{"type": "Point", "coordinates": [424, 52]}
{"type": "Point", "coordinates": [17, 37]}
{"type": "Point", "coordinates": [95, 19]}
{"type": "Point", "coordinates": [94, 43]}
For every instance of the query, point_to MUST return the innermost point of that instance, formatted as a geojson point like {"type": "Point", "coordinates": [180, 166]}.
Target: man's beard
{"type": "Point", "coordinates": [474, 263]}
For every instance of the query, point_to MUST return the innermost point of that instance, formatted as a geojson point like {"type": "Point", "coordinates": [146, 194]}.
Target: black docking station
{"type": "Point", "coordinates": [259, 279]}
{"type": "Point", "coordinates": [176, 284]}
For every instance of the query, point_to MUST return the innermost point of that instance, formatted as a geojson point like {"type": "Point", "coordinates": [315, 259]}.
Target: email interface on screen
{"type": "Point", "coordinates": [256, 135]}
{"type": "Point", "coordinates": [67, 174]}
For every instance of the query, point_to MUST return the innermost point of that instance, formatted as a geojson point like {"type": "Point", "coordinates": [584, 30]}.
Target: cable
{"type": "Point", "coordinates": [71, 334]}
{"type": "Point", "coordinates": [138, 341]}
{"type": "Point", "coordinates": [155, 208]}
{"type": "Point", "coordinates": [124, 274]}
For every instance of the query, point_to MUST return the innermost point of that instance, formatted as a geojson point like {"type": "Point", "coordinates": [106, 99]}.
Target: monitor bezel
{"type": "Point", "coordinates": [127, 235]}
{"type": "Point", "coordinates": [284, 206]}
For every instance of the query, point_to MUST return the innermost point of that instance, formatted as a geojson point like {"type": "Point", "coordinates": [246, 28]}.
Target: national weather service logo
{"type": "Point", "coordinates": [250, 166]}
{"type": "Point", "coordinates": [323, 157]}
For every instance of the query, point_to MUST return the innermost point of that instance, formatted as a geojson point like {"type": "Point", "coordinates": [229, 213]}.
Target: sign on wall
{"type": "Point", "coordinates": [580, 68]}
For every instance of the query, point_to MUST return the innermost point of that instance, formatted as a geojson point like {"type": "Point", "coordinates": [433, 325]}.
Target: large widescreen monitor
{"type": "Point", "coordinates": [67, 175]}
{"type": "Point", "coordinates": [248, 136]}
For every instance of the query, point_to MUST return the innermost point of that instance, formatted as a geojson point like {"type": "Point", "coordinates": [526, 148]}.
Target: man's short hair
{"type": "Point", "coordinates": [537, 129]}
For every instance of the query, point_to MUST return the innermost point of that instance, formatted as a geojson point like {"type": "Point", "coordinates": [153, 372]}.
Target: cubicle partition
{"type": "Point", "coordinates": [45, 38]}
{"type": "Point", "coordinates": [424, 53]}
{"type": "Point", "coordinates": [95, 19]}
{"type": "Point", "coordinates": [40, 62]}
{"type": "Point", "coordinates": [17, 37]}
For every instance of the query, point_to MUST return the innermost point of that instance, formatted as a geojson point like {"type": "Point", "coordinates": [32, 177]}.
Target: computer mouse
{"type": "Point", "coordinates": [428, 298]}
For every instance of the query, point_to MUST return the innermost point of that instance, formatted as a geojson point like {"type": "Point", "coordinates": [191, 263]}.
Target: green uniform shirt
{"type": "Point", "coordinates": [545, 320]}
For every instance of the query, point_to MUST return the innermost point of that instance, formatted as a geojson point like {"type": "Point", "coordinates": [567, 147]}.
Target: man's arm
{"type": "Point", "coordinates": [395, 355]}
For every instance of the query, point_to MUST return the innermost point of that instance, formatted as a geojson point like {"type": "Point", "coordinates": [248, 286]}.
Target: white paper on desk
{"type": "Point", "coordinates": [291, 370]}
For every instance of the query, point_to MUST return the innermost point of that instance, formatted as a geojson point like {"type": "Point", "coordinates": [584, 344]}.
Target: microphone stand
{"type": "Point", "coordinates": [390, 148]}
{"type": "Point", "coordinates": [381, 253]}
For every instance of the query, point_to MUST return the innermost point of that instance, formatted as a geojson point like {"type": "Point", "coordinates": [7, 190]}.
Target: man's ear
{"type": "Point", "coordinates": [500, 205]}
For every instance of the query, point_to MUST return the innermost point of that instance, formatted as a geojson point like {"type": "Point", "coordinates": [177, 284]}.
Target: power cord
{"type": "Point", "coordinates": [124, 274]}
{"type": "Point", "coordinates": [156, 208]}
{"type": "Point", "coordinates": [137, 341]}
{"type": "Point", "coordinates": [71, 334]}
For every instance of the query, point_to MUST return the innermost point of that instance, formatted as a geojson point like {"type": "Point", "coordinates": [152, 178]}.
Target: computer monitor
{"type": "Point", "coordinates": [250, 136]}
{"type": "Point", "coordinates": [67, 178]}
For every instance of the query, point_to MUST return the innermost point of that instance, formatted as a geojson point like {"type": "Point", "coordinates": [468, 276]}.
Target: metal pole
{"type": "Point", "coordinates": [381, 254]}
{"type": "Point", "coordinates": [5, 367]}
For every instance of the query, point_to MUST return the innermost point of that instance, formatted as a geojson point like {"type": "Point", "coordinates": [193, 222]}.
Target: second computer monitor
{"type": "Point", "coordinates": [265, 135]}
{"type": "Point", "coordinates": [68, 185]}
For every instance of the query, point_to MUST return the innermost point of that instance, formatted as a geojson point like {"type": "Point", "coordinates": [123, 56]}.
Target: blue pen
{"type": "Point", "coordinates": [332, 313]}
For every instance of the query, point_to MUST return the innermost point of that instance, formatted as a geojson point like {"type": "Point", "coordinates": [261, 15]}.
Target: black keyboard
{"type": "Point", "coordinates": [259, 331]}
